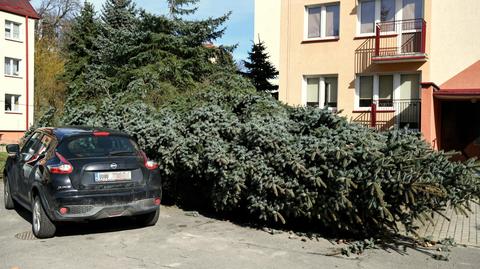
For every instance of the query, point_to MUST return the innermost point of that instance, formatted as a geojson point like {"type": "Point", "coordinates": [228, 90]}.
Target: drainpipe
{"type": "Point", "coordinates": [27, 73]}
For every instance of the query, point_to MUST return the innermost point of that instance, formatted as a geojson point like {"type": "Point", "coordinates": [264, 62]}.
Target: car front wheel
{"type": "Point", "coordinates": [7, 195]}
{"type": "Point", "coordinates": [42, 226]}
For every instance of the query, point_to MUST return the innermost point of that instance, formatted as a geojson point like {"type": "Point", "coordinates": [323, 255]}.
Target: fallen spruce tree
{"type": "Point", "coordinates": [235, 151]}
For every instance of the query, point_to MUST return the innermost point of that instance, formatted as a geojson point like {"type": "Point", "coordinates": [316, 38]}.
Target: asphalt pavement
{"type": "Point", "coordinates": [188, 240]}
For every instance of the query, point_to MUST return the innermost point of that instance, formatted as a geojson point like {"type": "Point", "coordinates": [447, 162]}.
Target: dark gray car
{"type": "Point", "coordinates": [78, 174]}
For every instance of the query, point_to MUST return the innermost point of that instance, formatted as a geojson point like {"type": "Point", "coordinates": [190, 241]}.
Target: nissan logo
{"type": "Point", "coordinates": [113, 166]}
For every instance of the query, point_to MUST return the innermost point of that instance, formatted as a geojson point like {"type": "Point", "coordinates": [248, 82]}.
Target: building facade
{"type": "Point", "coordinates": [370, 58]}
{"type": "Point", "coordinates": [267, 14]}
{"type": "Point", "coordinates": [17, 24]}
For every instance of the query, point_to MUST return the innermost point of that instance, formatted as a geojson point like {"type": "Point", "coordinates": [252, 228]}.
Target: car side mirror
{"type": "Point", "coordinates": [13, 150]}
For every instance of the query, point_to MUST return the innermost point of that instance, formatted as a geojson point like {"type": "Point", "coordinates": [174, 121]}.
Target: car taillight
{"type": "Point", "coordinates": [65, 167]}
{"type": "Point", "coordinates": [63, 210]}
{"type": "Point", "coordinates": [150, 165]}
{"type": "Point", "coordinates": [101, 133]}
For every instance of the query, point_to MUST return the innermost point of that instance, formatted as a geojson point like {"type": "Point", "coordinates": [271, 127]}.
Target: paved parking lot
{"type": "Point", "coordinates": [182, 241]}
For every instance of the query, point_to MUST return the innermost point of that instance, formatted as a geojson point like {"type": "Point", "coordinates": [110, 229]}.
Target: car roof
{"type": "Point", "coordinates": [68, 131]}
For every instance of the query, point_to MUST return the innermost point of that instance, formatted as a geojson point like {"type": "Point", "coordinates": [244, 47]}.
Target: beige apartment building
{"type": "Point", "coordinates": [370, 58]}
{"type": "Point", "coordinates": [17, 23]}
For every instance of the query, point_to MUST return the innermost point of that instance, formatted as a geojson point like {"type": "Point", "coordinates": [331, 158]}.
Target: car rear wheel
{"type": "Point", "coordinates": [42, 226]}
{"type": "Point", "coordinates": [149, 219]}
{"type": "Point", "coordinates": [7, 195]}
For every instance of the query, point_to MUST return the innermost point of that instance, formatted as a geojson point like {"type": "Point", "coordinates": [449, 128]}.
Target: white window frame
{"type": "Point", "coordinates": [9, 24]}
{"type": "Point", "coordinates": [12, 73]}
{"type": "Point", "coordinates": [378, 9]}
{"type": "Point", "coordinates": [376, 88]}
{"type": "Point", "coordinates": [323, 22]}
{"type": "Point", "coordinates": [15, 108]}
{"type": "Point", "coordinates": [321, 101]}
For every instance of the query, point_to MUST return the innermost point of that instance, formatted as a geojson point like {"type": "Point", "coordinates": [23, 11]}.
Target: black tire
{"type": "Point", "coordinates": [42, 226]}
{"type": "Point", "coordinates": [7, 195]}
{"type": "Point", "coordinates": [149, 219]}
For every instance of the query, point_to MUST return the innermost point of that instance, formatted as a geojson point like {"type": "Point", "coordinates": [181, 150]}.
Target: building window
{"type": "Point", "coordinates": [366, 91]}
{"type": "Point", "coordinates": [12, 30]}
{"type": "Point", "coordinates": [313, 92]}
{"type": "Point", "coordinates": [367, 16]}
{"type": "Point", "coordinates": [409, 87]}
{"type": "Point", "coordinates": [333, 20]}
{"type": "Point", "coordinates": [12, 67]}
{"type": "Point", "coordinates": [387, 10]}
{"type": "Point", "coordinates": [322, 92]}
{"type": "Point", "coordinates": [412, 9]}
{"type": "Point", "coordinates": [314, 22]}
{"type": "Point", "coordinates": [387, 90]}
{"type": "Point", "coordinates": [323, 21]}
{"type": "Point", "coordinates": [331, 92]}
{"type": "Point", "coordinates": [12, 103]}
{"type": "Point", "coordinates": [372, 11]}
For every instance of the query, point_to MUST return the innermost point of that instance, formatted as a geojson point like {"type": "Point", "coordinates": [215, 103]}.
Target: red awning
{"type": "Point", "coordinates": [466, 92]}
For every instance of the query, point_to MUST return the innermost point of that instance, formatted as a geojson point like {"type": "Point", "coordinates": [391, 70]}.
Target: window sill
{"type": "Point", "coordinates": [361, 110]}
{"type": "Point", "coordinates": [319, 40]}
{"type": "Point", "coordinates": [364, 36]}
{"type": "Point", "coordinates": [386, 35]}
{"type": "Point", "coordinates": [13, 113]}
{"type": "Point", "coordinates": [14, 40]}
{"type": "Point", "coordinates": [12, 76]}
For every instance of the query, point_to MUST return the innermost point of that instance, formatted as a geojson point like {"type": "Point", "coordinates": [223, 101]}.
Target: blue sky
{"type": "Point", "coordinates": [239, 27]}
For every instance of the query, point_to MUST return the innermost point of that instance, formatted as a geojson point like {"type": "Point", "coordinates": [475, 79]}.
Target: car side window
{"type": "Point", "coordinates": [45, 145]}
{"type": "Point", "coordinates": [31, 147]}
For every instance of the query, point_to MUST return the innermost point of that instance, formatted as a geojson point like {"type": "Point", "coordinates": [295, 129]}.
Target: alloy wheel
{"type": "Point", "coordinates": [6, 192]}
{"type": "Point", "coordinates": [36, 216]}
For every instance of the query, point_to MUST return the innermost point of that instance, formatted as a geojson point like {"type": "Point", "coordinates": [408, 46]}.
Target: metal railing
{"type": "Point", "coordinates": [388, 113]}
{"type": "Point", "coordinates": [399, 38]}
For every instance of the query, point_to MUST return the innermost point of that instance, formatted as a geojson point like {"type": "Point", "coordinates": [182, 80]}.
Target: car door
{"type": "Point", "coordinates": [31, 167]}
{"type": "Point", "coordinates": [15, 168]}
{"type": "Point", "coordinates": [25, 163]}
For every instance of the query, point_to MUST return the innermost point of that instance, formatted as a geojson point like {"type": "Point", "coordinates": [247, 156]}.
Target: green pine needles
{"type": "Point", "coordinates": [259, 69]}
{"type": "Point", "coordinates": [234, 151]}
{"type": "Point", "coordinates": [224, 146]}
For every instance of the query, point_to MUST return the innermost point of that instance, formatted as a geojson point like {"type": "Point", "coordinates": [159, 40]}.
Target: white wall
{"type": "Point", "coordinates": [267, 27]}
{"type": "Point", "coordinates": [455, 37]}
{"type": "Point", "coordinates": [16, 85]}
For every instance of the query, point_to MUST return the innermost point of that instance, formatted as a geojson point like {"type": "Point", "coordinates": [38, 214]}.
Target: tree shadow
{"type": "Point", "coordinates": [389, 241]}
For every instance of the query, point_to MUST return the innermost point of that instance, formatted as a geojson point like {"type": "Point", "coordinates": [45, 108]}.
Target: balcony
{"type": "Point", "coordinates": [400, 41]}
{"type": "Point", "coordinates": [386, 114]}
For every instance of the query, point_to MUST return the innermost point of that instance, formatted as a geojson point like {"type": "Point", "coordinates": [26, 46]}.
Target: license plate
{"type": "Point", "coordinates": [113, 176]}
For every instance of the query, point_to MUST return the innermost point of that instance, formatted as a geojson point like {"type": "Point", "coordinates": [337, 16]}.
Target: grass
{"type": "Point", "coordinates": [3, 157]}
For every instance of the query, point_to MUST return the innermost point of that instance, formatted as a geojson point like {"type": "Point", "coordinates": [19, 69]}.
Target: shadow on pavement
{"type": "Point", "coordinates": [84, 228]}
{"type": "Point", "coordinates": [97, 227]}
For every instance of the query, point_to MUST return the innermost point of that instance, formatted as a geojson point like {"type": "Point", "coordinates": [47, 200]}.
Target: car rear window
{"type": "Point", "coordinates": [99, 146]}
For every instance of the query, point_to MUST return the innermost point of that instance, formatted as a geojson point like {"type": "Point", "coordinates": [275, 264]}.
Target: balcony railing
{"type": "Point", "coordinates": [400, 41]}
{"type": "Point", "coordinates": [396, 113]}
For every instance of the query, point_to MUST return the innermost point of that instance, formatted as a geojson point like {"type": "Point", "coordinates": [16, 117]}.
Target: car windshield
{"type": "Point", "coordinates": [99, 146]}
